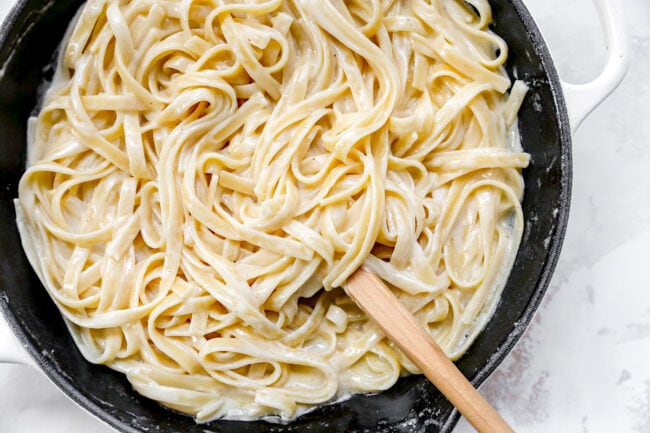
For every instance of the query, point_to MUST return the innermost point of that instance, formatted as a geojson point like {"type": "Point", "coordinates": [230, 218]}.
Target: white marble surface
{"type": "Point", "coordinates": [583, 365]}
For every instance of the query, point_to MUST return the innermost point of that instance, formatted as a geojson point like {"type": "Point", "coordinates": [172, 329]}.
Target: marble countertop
{"type": "Point", "coordinates": [583, 364]}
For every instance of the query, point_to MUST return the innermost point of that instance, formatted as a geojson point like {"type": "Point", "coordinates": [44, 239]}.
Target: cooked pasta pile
{"type": "Point", "coordinates": [204, 176]}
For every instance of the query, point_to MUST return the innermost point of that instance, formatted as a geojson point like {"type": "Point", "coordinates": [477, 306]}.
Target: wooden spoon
{"type": "Point", "coordinates": [372, 295]}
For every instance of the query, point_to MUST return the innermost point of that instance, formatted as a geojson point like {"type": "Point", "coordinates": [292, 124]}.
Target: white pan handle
{"type": "Point", "coordinates": [581, 99]}
{"type": "Point", "coordinates": [11, 351]}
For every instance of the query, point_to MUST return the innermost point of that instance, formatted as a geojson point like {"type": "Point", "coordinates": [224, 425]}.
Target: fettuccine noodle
{"type": "Point", "coordinates": [205, 175]}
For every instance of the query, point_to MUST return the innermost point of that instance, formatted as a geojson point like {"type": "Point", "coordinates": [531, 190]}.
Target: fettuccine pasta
{"type": "Point", "coordinates": [204, 175]}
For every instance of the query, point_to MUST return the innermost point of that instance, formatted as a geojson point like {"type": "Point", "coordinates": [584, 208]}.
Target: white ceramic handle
{"type": "Point", "coordinates": [581, 99]}
{"type": "Point", "coordinates": [11, 350]}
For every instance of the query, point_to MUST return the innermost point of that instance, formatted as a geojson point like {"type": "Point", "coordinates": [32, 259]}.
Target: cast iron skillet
{"type": "Point", "coordinates": [27, 45]}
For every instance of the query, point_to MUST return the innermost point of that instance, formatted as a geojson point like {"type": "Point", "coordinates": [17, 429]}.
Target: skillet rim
{"type": "Point", "coordinates": [48, 367]}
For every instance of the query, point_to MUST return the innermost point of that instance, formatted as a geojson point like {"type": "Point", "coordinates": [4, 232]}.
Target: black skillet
{"type": "Point", "coordinates": [28, 42]}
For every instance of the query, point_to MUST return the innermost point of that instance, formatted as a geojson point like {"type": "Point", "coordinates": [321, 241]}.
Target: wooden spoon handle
{"type": "Point", "coordinates": [372, 295]}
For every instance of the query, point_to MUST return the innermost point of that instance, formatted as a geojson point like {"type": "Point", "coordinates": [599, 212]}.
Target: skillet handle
{"type": "Point", "coordinates": [582, 99]}
{"type": "Point", "coordinates": [11, 351]}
